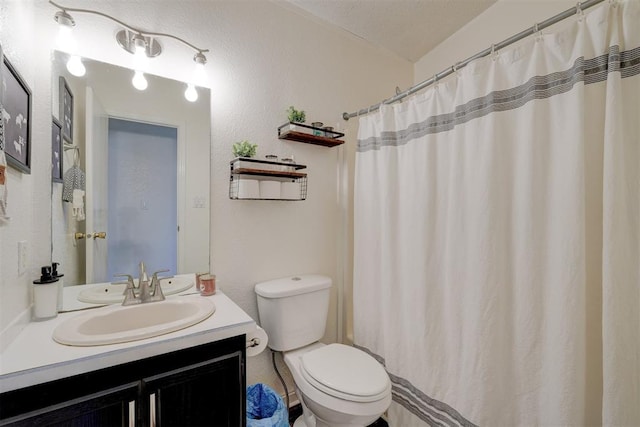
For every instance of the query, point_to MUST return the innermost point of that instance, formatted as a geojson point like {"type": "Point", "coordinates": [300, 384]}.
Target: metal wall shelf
{"type": "Point", "coordinates": [266, 170]}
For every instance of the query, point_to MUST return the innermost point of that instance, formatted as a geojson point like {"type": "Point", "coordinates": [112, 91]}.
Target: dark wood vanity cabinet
{"type": "Point", "coordinates": [198, 386]}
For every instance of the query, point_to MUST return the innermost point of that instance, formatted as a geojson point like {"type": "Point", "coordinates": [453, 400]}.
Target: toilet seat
{"type": "Point", "coordinates": [346, 373]}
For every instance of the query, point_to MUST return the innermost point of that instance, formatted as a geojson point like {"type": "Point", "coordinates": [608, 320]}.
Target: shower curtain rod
{"type": "Point", "coordinates": [577, 9]}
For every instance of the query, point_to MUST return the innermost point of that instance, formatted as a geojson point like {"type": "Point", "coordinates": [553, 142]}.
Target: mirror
{"type": "Point", "coordinates": [144, 160]}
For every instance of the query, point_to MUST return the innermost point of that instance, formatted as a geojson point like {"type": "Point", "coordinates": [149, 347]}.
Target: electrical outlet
{"type": "Point", "coordinates": [23, 254]}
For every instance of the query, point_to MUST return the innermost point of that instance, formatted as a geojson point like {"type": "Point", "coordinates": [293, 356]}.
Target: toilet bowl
{"type": "Point", "coordinates": [354, 394]}
{"type": "Point", "coordinates": [337, 385]}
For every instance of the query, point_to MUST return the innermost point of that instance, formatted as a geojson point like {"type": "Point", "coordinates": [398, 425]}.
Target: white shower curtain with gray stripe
{"type": "Point", "coordinates": [497, 235]}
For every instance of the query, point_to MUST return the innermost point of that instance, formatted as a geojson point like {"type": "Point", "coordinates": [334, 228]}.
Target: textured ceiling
{"type": "Point", "coordinates": [410, 28]}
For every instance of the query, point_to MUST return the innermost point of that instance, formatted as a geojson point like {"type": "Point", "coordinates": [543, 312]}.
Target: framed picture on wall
{"type": "Point", "coordinates": [16, 115]}
{"type": "Point", "coordinates": [66, 111]}
{"type": "Point", "coordinates": [56, 151]}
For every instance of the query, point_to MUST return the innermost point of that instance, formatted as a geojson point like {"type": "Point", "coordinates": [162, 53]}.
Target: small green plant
{"type": "Point", "coordinates": [244, 149]}
{"type": "Point", "coordinates": [296, 116]}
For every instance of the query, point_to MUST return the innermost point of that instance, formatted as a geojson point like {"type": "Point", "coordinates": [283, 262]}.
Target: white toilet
{"type": "Point", "coordinates": [337, 385]}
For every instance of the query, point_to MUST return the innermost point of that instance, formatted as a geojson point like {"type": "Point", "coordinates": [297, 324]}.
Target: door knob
{"type": "Point", "coordinates": [80, 236]}
{"type": "Point", "coordinates": [98, 235]}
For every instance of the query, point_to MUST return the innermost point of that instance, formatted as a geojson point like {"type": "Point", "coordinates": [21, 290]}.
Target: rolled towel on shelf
{"type": "Point", "coordinates": [248, 189]}
{"type": "Point", "coordinates": [269, 189]}
{"type": "Point", "coordinates": [290, 190]}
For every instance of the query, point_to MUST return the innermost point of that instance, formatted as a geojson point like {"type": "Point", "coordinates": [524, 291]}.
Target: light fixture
{"type": "Point", "coordinates": [199, 73]}
{"type": "Point", "coordinates": [66, 23]}
{"type": "Point", "coordinates": [142, 44]}
{"type": "Point", "coordinates": [136, 43]}
{"type": "Point", "coordinates": [191, 94]}
{"type": "Point", "coordinates": [139, 81]}
{"type": "Point", "coordinates": [66, 42]}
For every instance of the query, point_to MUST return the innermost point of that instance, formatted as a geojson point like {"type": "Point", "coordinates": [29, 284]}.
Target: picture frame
{"type": "Point", "coordinates": [66, 111]}
{"type": "Point", "coordinates": [16, 116]}
{"type": "Point", "coordinates": [57, 151]}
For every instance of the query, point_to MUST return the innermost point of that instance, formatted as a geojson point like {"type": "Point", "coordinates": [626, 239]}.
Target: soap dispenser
{"type": "Point", "coordinates": [45, 295]}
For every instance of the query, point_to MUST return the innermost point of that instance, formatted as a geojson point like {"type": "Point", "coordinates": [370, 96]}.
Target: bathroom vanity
{"type": "Point", "coordinates": [194, 376]}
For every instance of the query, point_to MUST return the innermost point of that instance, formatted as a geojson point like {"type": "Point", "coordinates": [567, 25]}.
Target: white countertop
{"type": "Point", "coordinates": [34, 357]}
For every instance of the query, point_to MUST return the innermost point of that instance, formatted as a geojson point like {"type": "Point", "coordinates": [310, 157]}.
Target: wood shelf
{"type": "Point", "coordinates": [299, 132]}
{"type": "Point", "coordinates": [310, 139]}
{"type": "Point", "coordinates": [271, 173]}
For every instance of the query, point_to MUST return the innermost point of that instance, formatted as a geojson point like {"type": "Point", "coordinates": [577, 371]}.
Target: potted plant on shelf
{"type": "Point", "coordinates": [244, 149]}
{"type": "Point", "coordinates": [296, 116]}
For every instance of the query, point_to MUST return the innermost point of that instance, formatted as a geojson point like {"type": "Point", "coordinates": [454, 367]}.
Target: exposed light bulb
{"type": "Point", "coordinates": [75, 66]}
{"type": "Point", "coordinates": [138, 81]}
{"type": "Point", "coordinates": [65, 41]}
{"type": "Point", "coordinates": [199, 73]}
{"type": "Point", "coordinates": [141, 49]}
{"type": "Point", "coordinates": [191, 94]}
{"type": "Point", "coordinates": [140, 58]}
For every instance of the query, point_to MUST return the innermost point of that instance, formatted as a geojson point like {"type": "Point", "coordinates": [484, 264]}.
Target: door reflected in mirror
{"type": "Point", "coordinates": [142, 159]}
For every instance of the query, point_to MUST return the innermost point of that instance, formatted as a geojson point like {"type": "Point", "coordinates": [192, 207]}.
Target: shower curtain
{"type": "Point", "coordinates": [497, 235]}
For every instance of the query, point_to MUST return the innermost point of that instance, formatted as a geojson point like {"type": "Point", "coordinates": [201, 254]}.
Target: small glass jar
{"type": "Point", "coordinates": [328, 131]}
{"type": "Point", "coordinates": [271, 158]}
{"type": "Point", "coordinates": [317, 132]}
{"type": "Point", "coordinates": [289, 161]}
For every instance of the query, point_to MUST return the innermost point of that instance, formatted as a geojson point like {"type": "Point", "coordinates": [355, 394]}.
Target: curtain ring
{"type": "Point", "coordinates": [537, 32]}
{"type": "Point", "coordinates": [579, 11]}
{"type": "Point", "coordinates": [454, 67]}
{"type": "Point", "coordinates": [494, 52]}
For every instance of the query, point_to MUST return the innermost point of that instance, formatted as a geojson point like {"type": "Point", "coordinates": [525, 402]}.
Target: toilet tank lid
{"type": "Point", "coordinates": [293, 285]}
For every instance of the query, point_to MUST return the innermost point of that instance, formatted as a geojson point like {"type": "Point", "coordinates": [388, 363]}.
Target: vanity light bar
{"type": "Point", "coordinates": [135, 40]}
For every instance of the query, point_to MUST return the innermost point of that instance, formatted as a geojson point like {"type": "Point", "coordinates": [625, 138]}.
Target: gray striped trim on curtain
{"type": "Point", "coordinates": [431, 411]}
{"type": "Point", "coordinates": [589, 71]}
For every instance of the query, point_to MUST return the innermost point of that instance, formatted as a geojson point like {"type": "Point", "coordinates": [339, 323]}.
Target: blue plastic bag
{"type": "Point", "coordinates": [265, 407]}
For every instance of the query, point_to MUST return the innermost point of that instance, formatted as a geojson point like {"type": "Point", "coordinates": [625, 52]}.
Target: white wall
{"type": "Point", "coordinates": [29, 194]}
{"type": "Point", "coordinates": [500, 21]}
{"type": "Point", "coordinates": [264, 57]}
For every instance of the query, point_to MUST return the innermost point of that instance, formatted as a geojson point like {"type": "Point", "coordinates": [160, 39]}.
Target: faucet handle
{"type": "Point", "coordinates": [155, 286]}
{"type": "Point", "coordinates": [129, 292]}
{"type": "Point", "coordinates": [130, 283]}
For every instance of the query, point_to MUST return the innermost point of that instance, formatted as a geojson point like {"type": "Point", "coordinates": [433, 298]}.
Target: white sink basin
{"type": "Point", "coordinates": [116, 323]}
{"type": "Point", "coordinates": [111, 294]}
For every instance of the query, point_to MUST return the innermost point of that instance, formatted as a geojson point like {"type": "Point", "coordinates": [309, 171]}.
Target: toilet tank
{"type": "Point", "coordinates": [293, 310]}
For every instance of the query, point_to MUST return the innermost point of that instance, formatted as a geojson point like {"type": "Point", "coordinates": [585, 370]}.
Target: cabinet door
{"type": "Point", "coordinates": [209, 393]}
{"type": "Point", "coordinates": [113, 407]}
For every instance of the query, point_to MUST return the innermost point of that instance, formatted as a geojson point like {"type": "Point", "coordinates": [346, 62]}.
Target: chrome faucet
{"type": "Point", "coordinates": [145, 291]}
